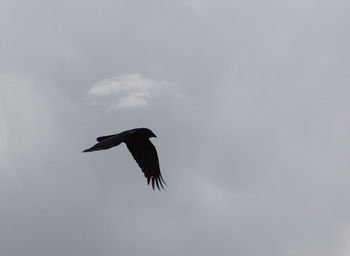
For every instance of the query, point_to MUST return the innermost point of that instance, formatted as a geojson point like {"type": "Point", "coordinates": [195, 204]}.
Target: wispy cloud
{"type": "Point", "coordinates": [126, 91]}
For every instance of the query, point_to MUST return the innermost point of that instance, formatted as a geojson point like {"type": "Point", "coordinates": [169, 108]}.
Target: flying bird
{"type": "Point", "coordinates": [140, 147]}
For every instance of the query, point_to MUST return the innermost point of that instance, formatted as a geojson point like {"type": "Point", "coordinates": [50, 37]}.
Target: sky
{"type": "Point", "coordinates": [249, 101]}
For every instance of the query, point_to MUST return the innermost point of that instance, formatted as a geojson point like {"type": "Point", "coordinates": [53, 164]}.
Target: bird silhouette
{"type": "Point", "coordinates": [140, 147]}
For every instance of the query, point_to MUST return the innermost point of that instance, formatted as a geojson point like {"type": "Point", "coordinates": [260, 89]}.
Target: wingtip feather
{"type": "Point", "coordinates": [157, 183]}
{"type": "Point", "coordinates": [153, 183]}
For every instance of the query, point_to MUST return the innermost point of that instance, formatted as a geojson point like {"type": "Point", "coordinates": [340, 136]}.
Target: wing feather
{"type": "Point", "coordinates": [109, 141]}
{"type": "Point", "coordinates": [99, 139]}
{"type": "Point", "coordinates": [145, 154]}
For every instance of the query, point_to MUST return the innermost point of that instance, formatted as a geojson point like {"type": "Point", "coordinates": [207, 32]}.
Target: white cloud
{"type": "Point", "coordinates": [126, 91]}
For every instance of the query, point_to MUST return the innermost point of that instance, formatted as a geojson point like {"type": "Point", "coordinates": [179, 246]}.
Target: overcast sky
{"type": "Point", "coordinates": [250, 101]}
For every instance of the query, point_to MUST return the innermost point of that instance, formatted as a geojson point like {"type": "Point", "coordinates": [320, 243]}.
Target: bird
{"type": "Point", "coordinates": [140, 147]}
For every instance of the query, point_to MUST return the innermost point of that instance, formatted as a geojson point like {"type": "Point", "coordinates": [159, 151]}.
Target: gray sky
{"type": "Point", "coordinates": [250, 103]}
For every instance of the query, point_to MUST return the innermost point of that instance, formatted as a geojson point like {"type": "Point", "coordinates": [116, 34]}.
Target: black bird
{"type": "Point", "coordinates": [141, 148]}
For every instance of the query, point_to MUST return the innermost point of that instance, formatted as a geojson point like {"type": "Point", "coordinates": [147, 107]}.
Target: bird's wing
{"type": "Point", "coordinates": [108, 142]}
{"type": "Point", "coordinates": [99, 139]}
{"type": "Point", "coordinates": [146, 157]}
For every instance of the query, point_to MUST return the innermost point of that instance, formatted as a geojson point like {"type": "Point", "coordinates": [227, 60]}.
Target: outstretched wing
{"type": "Point", "coordinates": [106, 142]}
{"type": "Point", "coordinates": [146, 157]}
{"type": "Point", "coordinates": [99, 139]}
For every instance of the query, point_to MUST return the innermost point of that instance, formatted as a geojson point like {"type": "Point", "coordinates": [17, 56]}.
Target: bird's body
{"type": "Point", "coordinates": [141, 148]}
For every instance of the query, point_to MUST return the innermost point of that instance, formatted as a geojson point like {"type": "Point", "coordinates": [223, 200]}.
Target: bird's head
{"type": "Point", "coordinates": [147, 133]}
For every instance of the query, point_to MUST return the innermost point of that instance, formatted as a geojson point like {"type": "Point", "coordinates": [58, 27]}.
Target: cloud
{"type": "Point", "coordinates": [256, 159]}
{"type": "Point", "coordinates": [126, 91]}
